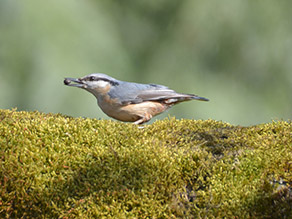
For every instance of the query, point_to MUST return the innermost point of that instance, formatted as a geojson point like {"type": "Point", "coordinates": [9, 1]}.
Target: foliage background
{"type": "Point", "coordinates": [237, 53]}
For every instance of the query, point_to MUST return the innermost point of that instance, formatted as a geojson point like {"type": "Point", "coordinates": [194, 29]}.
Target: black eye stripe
{"type": "Point", "coordinates": [93, 78]}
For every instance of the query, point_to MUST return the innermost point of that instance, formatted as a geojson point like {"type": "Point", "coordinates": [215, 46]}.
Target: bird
{"type": "Point", "coordinates": [128, 101]}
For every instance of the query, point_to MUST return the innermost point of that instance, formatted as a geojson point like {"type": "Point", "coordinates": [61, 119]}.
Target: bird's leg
{"type": "Point", "coordinates": [145, 118]}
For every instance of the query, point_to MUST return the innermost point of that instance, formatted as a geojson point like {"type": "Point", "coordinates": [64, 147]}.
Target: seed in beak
{"type": "Point", "coordinates": [67, 81]}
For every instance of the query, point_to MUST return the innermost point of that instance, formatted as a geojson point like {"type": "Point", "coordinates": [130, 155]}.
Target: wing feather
{"type": "Point", "coordinates": [138, 93]}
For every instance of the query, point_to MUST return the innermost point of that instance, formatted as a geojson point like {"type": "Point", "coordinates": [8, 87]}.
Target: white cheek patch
{"type": "Point", "coordinates": [100, 84]}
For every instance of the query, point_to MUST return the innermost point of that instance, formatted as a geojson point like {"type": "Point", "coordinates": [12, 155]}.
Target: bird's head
{"type": "Point", "coordinates": [98, 84]}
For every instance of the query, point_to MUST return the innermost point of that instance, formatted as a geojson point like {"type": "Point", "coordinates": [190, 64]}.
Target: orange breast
{"type": "Point", "coordinates": [132, 112]}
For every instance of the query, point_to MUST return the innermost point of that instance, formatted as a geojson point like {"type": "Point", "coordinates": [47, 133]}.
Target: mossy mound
{"type": "Point", "coordinates": [53, 166]}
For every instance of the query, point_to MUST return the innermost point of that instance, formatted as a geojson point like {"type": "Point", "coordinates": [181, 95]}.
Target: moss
{"type": "Point", "coordinates": [54, 166]}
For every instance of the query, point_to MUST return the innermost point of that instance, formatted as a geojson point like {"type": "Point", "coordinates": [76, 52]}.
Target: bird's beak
{"type": "Point", "coordinates": [75, 82]}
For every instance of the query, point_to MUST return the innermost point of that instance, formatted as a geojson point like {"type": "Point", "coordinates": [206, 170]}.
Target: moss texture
{"type": "Point", "coordinates": [54, 166]}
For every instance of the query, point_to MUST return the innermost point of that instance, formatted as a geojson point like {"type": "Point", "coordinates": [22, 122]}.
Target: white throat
{"type": "Point", "coordinates": [101, 84]}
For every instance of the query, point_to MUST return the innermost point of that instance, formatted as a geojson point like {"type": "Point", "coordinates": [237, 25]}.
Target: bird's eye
{"type": "Point", "coordinates": [92, 78]}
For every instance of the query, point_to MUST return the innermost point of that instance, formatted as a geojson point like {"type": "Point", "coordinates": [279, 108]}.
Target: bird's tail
{"type": "Point", "coordinates": [181, 98]}
{"type": "Point", "coordinates": [195, 97]}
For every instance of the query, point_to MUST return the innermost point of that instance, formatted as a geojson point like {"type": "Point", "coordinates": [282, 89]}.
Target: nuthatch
{"type": "Point", "coordinates": [129, 102]}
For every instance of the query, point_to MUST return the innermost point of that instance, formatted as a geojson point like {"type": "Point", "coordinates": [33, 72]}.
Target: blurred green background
{"type": "Point", "coordinates": [236, 53]}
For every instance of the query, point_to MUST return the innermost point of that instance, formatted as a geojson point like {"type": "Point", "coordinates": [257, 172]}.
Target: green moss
{"type": "Point", "coordinates": [53, 166]}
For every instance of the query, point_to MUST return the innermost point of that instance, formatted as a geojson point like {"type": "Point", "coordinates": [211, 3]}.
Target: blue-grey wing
{"type": "Point", "coordinates": [133, 93]}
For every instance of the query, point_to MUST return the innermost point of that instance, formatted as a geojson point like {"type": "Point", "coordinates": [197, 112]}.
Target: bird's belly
{"type": "Point", "coordinates": [133, 112]}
